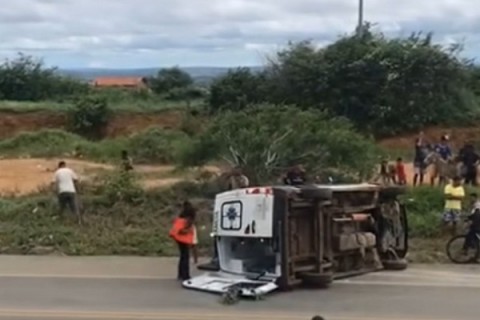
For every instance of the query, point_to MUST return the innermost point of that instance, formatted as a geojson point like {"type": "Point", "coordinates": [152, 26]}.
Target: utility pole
{"type": "Point", "coordinates": [360, 18]}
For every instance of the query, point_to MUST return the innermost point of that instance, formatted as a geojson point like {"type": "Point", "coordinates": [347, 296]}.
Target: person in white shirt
{"type": "Point", "coordinates": [65, 181]}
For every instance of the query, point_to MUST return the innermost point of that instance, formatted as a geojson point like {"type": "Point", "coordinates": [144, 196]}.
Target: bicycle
{"type": "Point", "coordinates": [458, 255]}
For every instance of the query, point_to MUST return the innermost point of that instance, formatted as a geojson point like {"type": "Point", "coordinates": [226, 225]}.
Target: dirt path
{"type": "Point", "coordinates": [25, 176]}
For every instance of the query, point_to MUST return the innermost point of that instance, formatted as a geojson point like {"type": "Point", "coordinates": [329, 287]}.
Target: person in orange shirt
{"type": "Point", "coordinates": [184, 234]}
{"type": "Point", "coordinates": [400, 170]}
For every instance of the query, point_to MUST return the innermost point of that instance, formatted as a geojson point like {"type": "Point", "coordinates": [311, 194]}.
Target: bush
{"type": "Point", "coordinates": [90, 117]}
{"type": "Point", "coordinates": [120, 186]}
{"type": "Point", "coordinates": [267, 139]}
{"type": "Point", "coordinates": [115, 225]}
{"type": "Point", "coordinates": [157, 145]}
{"type": "Point", "coordinates": [186, 93]}
{"type": "Point", "coordinates": [236, 90]}
{"type": "Point", "coordinates": [169, 79]}
{"type": "Point", "coordinates": [47, 143]}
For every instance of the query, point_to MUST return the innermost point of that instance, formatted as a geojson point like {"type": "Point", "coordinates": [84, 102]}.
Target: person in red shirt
{"type": "Point", "coordinates": [400, 170]}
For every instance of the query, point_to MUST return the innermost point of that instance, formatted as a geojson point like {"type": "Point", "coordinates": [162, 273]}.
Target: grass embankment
{"type": "Point", "coordinates": [119, 105]}
{"type": "Point", "coordinates": [425, 211]}
{"type": "Point", "coordinates": [154, 145]}
{"type": "Point", "coordinates": [121, 219]}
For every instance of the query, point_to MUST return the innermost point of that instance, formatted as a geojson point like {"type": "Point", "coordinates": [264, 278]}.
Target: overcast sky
{"type": "Point", "coordinates": [145, 33]}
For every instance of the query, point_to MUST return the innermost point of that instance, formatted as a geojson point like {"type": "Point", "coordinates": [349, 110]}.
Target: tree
{"type": "Point", "coordinates": [266, 139]}
{"type": "Point", "coordinates": [169, 79]}
{"type": "Point", "coordinates": [236, 90]}
{"type": "Point", "coordinates": [384, 86]}
{"type": "Point", "coordinates": [27, 79]}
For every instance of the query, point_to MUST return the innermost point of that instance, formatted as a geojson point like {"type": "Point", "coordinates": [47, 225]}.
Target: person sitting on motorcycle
{"type": "Point", "coordinates": [474, 219]}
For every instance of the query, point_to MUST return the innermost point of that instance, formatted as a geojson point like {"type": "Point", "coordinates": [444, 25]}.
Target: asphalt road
{"type": "Point", "coordinates": [112, 288]}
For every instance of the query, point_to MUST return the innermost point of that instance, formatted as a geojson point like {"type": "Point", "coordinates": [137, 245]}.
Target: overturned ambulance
{"type": "Point", "coordinates": [271, 238]}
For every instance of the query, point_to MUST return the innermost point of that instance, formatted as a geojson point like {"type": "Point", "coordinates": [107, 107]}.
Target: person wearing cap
{"type": "Point", "coordinates": [454, 195]}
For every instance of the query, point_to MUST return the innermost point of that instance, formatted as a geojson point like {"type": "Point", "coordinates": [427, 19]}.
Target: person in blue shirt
{"type": "Point", "coordinates": [445, 154]}
{"type": "Point", "coordinates": [443, 149]}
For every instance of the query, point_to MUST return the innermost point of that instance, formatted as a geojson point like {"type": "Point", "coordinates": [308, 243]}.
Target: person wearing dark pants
{"type": "Point", "coordinates": [184, 262]}
{"type": "Point", "coordinates": [183, 232]}
{"type": "Point", "coordinates": [65, 181]}
{"type": "Point", "coordinates": [419, 160]}
{"type": "Point", "coordinates": [470, 159]}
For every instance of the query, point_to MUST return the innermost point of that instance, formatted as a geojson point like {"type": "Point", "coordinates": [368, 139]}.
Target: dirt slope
{"type": "Point", "coordinates": [24, 176]}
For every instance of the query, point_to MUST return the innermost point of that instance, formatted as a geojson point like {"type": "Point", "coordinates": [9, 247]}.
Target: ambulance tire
{"type": "Point", "coordinates": [395, 265]}
{"type": "Point", "coordinates": [317, 280]}
{"type": "Point", "coordinates": [316, 193]}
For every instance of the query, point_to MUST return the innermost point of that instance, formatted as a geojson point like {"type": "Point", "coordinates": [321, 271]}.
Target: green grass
{"type": "Point", "coordinates": [154, 145]}
{"type": "Point", "coordinates": [137, 106]}
{"type": "Point", "coordinates": [121, 219]}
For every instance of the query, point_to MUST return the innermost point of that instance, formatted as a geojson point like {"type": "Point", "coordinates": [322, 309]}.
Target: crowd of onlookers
{"type": "Point", "coordinates": [438, 159]}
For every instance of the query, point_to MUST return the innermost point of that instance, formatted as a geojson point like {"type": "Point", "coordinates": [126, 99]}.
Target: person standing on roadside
{"type": "Point", "coordinates": [454, 195]}
{"type": "Point", "coordinates": [419, 160]}
{"type": "Point", "coordinates": [183, 232]}
{"type": "Point", "coordinates": [65, 181]}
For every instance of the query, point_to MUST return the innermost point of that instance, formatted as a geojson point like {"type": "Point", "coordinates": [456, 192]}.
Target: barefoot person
{"type": "Point", "coordinates": [65, 181]}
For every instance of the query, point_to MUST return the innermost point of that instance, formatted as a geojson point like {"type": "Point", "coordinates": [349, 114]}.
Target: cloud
{"type": "Point", "coordinates": [126, 33]}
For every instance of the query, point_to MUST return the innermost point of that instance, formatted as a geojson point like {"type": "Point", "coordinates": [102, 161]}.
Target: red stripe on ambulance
{"type": "Point", "coordinates": [259, 191]}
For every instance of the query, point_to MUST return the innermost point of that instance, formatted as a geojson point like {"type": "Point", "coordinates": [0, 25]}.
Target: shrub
{"type": "Point", "coordinates": [46, 143]}
{"type": "Point", "coordinates": [120, 186]}
{"type": "Point", "coordinates": [90, 116]}
{"type": "Point", "coordinates": [169, 79]}
{"type": "Point", "coordinates": [267, 139]}
{"type": "Point", "coordinates": [157, 145]}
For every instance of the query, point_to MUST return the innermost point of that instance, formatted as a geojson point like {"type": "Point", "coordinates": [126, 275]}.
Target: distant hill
{"type": "Point", "coordinates": [199, 74]}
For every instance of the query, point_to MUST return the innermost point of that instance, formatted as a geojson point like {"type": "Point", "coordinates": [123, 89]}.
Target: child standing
{"type": "Point", "coordinates": [400, 169]}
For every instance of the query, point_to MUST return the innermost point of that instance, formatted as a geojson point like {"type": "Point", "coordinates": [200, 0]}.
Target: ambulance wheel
{"type": "Point", "coordinates": [395, 265]}
{"type": "Point", "coordinates": [317, 280]}
{"type": "Point", "coordinates": [316, 193]}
